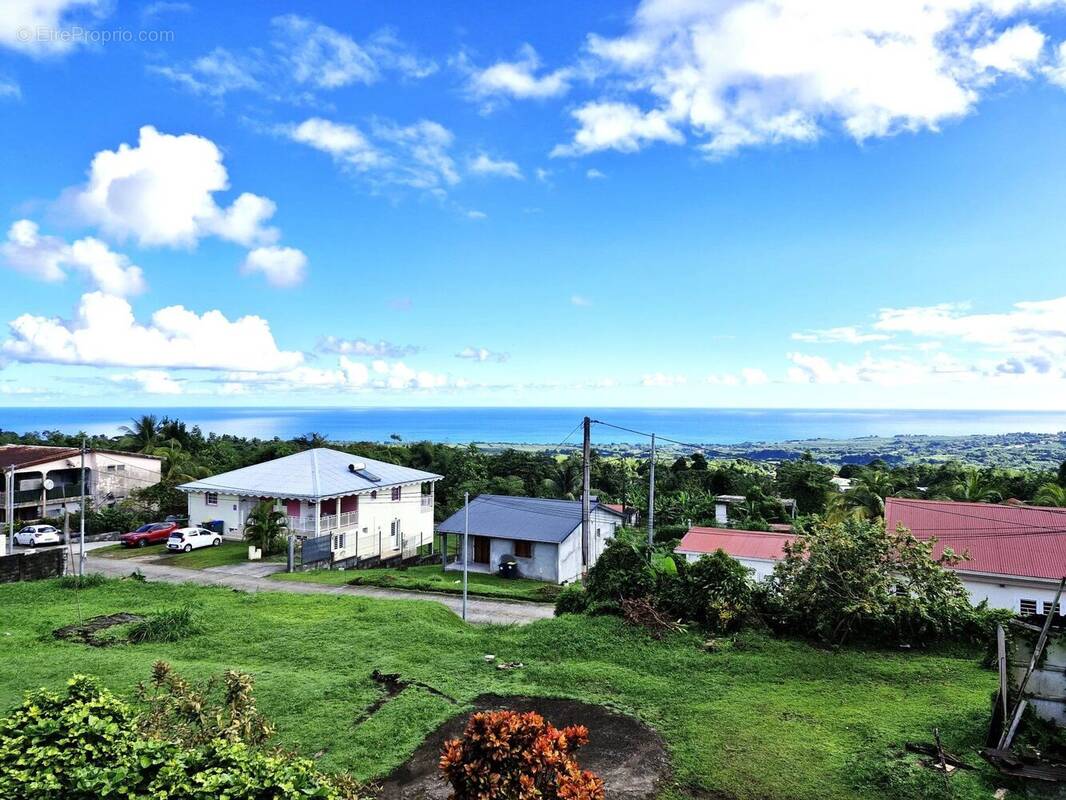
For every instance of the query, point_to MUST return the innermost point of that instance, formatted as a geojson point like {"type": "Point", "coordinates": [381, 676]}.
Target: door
{"type": "Point", "coordinates": [481, 550]}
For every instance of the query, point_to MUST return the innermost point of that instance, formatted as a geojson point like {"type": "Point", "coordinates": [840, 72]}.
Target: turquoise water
{"type": "Point", "coordinates": [546, 425]}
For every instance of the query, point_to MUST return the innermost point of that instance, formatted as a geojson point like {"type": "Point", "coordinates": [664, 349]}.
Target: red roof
{"type": "Point", "coordinates": [25, 455]}
{"type": "Point", "coordinates": [1025, 541]}
{"type": "Point", "coordinates": [763, 545]}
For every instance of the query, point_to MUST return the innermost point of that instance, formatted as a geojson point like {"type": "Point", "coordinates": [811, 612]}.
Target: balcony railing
{"type": "Point", "coordinates": [327, 522]}
{"type": "Point", "coordinates": [427, 501]}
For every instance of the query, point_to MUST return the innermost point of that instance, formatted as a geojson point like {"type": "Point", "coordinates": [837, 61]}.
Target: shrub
{"type": "Point", "coordinates": [854, 579]}
{"type": "Point", "coordinates": [572, 599]}
{"type": "Point", "coordinates": [714, 593]}
{"type": "Point", "coordinates": [165, 626]}
{"type": "Point", "coordinates": [82, 581]}
{"type": "Point", "coordinates": [517, 756]}
{"type": "Point", "coordinates": [622, 571]}
{"type": "Point", "coordinates": [84, 744]}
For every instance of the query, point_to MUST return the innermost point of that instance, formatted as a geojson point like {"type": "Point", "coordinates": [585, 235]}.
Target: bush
{"type": "Point", "coordinates": [517, 756]}
{"type": "Point", "coordinates": [82, 581]}
{"type": "Point", "coordinates": [855, 580]}
{"type": "Point", "coordinates": [572, 599]}
{"type": "Point", "coordinates": [622, 571]}
{"type": "Point", "coordinates": [84, 744]}
{"type": "Point", "coordinates": [165, 626]}
{"type": "Point", "coordinates": [714, 593]}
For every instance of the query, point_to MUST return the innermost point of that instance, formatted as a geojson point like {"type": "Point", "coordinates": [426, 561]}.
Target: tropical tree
{"type": "Point", "coordinates": [312, 440]}
{"type": "Point", "coordinates": [1051, 494]}
{"type": "Point", "coordinates": [144, 433]}
{"type": "Point", "coordinates": [868, 492]}
{"type": "Point", "coordinates": [178, 465]}
{"type": "Point", "coordinates": [976, 487]}
{"type": "Point", "coordinates": [266, 527]}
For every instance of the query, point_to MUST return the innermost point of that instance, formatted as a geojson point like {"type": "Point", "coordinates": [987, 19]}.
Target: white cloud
{"type": "Point", "coordinates": [474, 214]}
{"type": "Point", "coordinates": [161, 192]}
{"type": "Point", "coordinates": [1056, 70]}
{"type": "Point", "coordinates": [415, 155]}
{"type": "Point", "coordinates": [481, 354]}
{"type": "Point", "coordinates": [661, 379]}
{"type": "Point", "coordinates": [754, 376]}
{"type": "Point", "coordinates": [519, 79]}
{"type": "Point", "coordinates": [104, 332]}
{"type": "Point", "coordinates": [150, 381]}
{"type": "Point", "coordinates": [847, 334]}
{"type": "Point", "coordinates": [756, 72]}
{"type": "Point", "coordinates": [617, 126]}
{"type": "Point", "coordinates": [349, 375]}
{"type": "Point", "coordinates": [44, 27]}
{"type": "Point", "coordinates": [580, 301]}
{"type": "Point", "coordinates": [486, 165]}
{"type": "Point", "coordinates": [325, 58]}
{"type": "Point", "coordinates": [215, 74]}
{"type": "Point", "coordinates": [594, 175]}
{"type": "Point", "coordinates": [1015, 51]}
{"type": "Point", "coordinates": [749, 376]}
{"type": "Point", "coordinates": [46, 257]}
{"type": "Point", "coordinates": [9, 88]}
{"type": "Point", "coordinates": [362, 347]}
{"type": "Point", "coordinates": [282, 266]}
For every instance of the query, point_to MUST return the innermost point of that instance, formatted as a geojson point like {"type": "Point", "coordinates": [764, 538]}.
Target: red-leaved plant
{"type": "Point", "coordinates": [518, 756]}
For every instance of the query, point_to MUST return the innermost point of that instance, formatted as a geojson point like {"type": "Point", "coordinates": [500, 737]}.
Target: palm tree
{"type": "Point", "coordinates": [178, 465]}
{"type": "Point", "coordinates": [975, 488]}
{"type": "Point", "coordinates": [1051, 494]}
{"type": "Point", "coordinates": [265, 527]}
{"type": "Point", "coordinates": [312, 440]}
{"type": "Point", "coordinates": [144, 433]}
{"type": "Point", "coordinates": [868, 492]}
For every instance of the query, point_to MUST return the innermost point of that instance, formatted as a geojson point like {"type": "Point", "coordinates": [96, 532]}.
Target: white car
{"type": "Point", "coordinates": [186, 539]}
{"type": "Point", "coordinates": [33, 535]}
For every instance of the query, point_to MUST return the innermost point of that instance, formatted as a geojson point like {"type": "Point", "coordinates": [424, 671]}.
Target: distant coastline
{"type": "Point", "coordinates": [1002, 438]}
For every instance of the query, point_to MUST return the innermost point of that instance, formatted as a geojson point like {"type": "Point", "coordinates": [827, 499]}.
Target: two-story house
{"type": "Point", "coordinates": [368, 508]}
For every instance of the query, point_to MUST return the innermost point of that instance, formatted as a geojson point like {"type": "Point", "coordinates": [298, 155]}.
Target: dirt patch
{"type": "Point", "coordinates": [391, 685]}
{"type": "Point", "coordinates": [86, 632]}
{"type": "Point", "coordinates": [626, 753]}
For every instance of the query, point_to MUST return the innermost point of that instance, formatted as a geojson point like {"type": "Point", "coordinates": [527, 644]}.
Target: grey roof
{"type": "Point", "coordinates": [531, 519]}
{"type": "Point", "coordinates": [309, 475]}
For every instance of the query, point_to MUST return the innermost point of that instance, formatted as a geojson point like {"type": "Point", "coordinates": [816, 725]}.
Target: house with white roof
{"type": "Point", "coordinates": [368, 508]}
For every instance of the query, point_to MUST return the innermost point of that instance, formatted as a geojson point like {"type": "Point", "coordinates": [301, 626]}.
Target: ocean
{"type": "Point", "coordinates": [545, 425]}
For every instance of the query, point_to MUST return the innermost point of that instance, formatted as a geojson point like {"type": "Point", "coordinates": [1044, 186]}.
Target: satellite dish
{"type": "Point", "coordinates": [49, 484]}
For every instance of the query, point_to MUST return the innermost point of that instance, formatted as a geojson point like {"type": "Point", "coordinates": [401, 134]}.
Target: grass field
{"type": "Point", "coordinates": [433, 579]}
{"type": "Point", "coordinates": [226, 553]}
{"type": "Point", "coordinates": [764, 718]}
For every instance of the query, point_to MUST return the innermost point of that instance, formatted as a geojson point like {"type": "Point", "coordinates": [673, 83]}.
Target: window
{"type": "Point", "coordinates": [523, 549]}
{"type": "Point", "coordinates": [1047, 608]}
{"type": "Point", "coordinates": [1027, 606]}
{"type": "Point", "coordinates": [338, 541]}
{"type": "Point", "coordinates": [210, 498]}
{"type": "Point", "coordinates": [397, 492]}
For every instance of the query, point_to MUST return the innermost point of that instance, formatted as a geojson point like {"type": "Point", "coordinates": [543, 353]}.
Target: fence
{"type": "Point", "coordinates": [326, 523]}
{"type": "Point", "coordinates": [33, 566]}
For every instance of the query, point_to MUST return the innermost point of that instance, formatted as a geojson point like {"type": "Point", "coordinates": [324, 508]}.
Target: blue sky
{"type": "Point", "coordinates": [672, 203]}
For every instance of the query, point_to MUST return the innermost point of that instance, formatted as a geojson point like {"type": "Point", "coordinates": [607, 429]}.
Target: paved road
{"type": "Point", "coordinates": [478, 609]}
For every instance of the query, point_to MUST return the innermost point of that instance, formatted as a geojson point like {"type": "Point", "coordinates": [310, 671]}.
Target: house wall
{"type": "Point", "coordinates": [228, 510]}
{"type": "Point", "coordinates": [1002, 592]}
{"type": "Point", "coordinates": [542, 566]}
{"type": "Point", "coordinates": [759, 568]}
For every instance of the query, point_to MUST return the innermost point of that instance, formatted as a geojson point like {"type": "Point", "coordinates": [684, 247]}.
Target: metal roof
{"type": "Point", "coordinates": [21, 456]}
{"type": "Point", "coordinates": [314, 474]}
{"type": "Point", "coordinates": [529, 519]}
{"type": "Point", "coordinates": [1023, 541]}
{"type": "Point", "coordinates": [764, 545]}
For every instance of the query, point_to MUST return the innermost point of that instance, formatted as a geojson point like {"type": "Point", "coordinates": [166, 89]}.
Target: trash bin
{"type": "Point", "coordinates": [508, 568]}
{"type": "Point", "coordinates": [216, 526]}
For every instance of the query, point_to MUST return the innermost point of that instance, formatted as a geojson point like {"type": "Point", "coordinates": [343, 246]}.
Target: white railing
{"type": "Point", "coordinates": [326, 524]}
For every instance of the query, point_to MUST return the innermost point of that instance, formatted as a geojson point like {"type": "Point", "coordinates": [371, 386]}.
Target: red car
{"type": "Point", "coordinates": [152, 533]}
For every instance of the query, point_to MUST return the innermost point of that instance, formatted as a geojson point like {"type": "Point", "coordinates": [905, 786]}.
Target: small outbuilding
{"type": "Point", "coordinates": [543, 536]}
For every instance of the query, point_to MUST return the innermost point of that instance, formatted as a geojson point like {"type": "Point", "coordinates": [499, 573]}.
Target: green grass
{"type": "Point", "coordinates": [764, 719]}
{"type": "Point", "coordinates": [432, 578]}
{"type": "Point", "coordinates": [228, 552]}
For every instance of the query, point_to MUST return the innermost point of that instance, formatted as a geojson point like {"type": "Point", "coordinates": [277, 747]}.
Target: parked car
{"type": "Point", "coordinates": [186, 539]}
{"type": "Point", "coordinates": [33, 535]}
{"type": "Point", "coordinates": [152, 533]}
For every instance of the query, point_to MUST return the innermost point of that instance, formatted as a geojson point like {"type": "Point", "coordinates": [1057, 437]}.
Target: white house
{"type": "Point", "coordinates": [1016, 553]}
{"type": "Point", "coordinates": [759, 551]}
{"type": "Point", "coordinates": [723, 503]}
{"type": "Point", "coordinates": [368, 508]}
{"type": "Point", "coordinates": [543, 535]}
{"type": "Point", "coordinates": [46, 481]}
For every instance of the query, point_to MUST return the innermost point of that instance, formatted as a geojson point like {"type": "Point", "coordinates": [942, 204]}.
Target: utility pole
{"type": "Point", "coordinates": [10, 510]}
{"type": "Point", "coordinates": [586, 501]}
{"type": "Point", "coordinates": [466, 544]}
{"type": "Point", "coordinates": [625, 471]}
{"type": "Point", "coordinates": [651, 496]}
{"type": "Point", "coordinates": [81, 521]}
